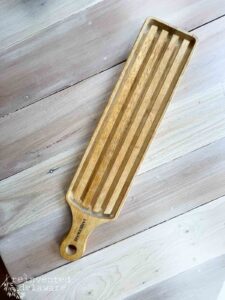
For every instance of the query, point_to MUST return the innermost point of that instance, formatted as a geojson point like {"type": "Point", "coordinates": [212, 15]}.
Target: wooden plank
{"type": "Point", "coordinates": [45, 182]}
{"type": "Point", "coordinates": [205, 281]}
{"type": "Point", "coordinates": [142, 260]}
{"type": "Point", "coordinates": [19, 20]}
{"type": "Point", "coordinates": [65, 121]}
{"type": "Point", "coordinates": [156, 196]}
{"type": "Point", "coordinates": [91, 41]}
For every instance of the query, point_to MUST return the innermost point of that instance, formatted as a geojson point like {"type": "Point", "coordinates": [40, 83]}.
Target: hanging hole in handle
{"type": "Point", "coordinates": [71, 249]}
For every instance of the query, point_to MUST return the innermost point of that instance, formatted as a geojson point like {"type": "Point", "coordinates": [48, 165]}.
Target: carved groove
{"type": "Point", "coordinates": [131, 118]}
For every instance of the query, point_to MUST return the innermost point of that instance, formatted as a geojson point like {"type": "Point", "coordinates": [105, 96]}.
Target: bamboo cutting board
{"type": "Point", "coordinates": [125, 130]}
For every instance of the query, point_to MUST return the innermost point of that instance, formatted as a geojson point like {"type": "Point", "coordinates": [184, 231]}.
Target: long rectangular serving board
{"type": "Point", "coordinates": [125, 130]}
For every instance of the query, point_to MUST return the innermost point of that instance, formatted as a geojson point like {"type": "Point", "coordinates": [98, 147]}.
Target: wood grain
{"type": "Point", "coordinates": [49, 180]}
{"type": "Point", "coordinates": [125, 130]}
{"type": "Point", "coordinates": [156, 196]}
{"type": "Point", "coordinates": [87, 43]}
{"type": "Point", "coordinates": [65, 121]}
{"type": "Point", "coordinates": [205, 281]}
{"type": "Point", "coordinates": [172, 181]}
{"type": "Point", "coordinates": [20, 20]}
{"type": "Point", "coordinates": [142, 260]}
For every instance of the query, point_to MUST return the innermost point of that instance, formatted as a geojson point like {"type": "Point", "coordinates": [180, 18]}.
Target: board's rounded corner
{"type": "Point", "coordinates": [151, 21]}
{"type": "Point", "coordinates": [69, 196]}
{"type": "Point", "coordinates": [195, 39]}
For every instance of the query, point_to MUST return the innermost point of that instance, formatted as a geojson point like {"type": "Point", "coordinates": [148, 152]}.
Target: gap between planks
{"type": "Point", "coordinates": [195, 238]}
{"type": "Point", "coordinates": [97, 73]}
{"type": "Point", "coordinates": [206, 23]}
{"type": "Point", "coordinates": [133, 235]}
{"type": "Point", "coordinates": [50, 139]}
{"type": "Point", "coordinates": [39, 58]}
{"type": "Point", "coordinates": [44, 18]}
{"type": "Point", "coordinates": [152, 210]}
{"type": "Point", "coordinates": [204, 282]}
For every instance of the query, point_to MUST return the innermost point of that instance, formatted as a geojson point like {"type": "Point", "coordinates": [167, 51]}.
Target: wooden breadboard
{"type": "Point", "coordinates": [126, 128]}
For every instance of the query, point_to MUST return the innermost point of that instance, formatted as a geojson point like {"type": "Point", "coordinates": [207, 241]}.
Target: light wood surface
{"type": "Point", "coordinates": [142, 260]}
{"type": "Point", "coordinates": [42, 203]}
{"type": "Point", "coordinates": [57, 56]}
{"type": "Point", "coordinates": [206, 281]}
{"type": "Point", "coordinates": [31, 17]}
{"type": "Point", "coordinates": [60, 151]}
{"type": "Point", "coordinates": [42, 143]}
{"type": "Point", "coordinates": [64, 122]}
{"type": "Point", "coordinates": [176, 187]}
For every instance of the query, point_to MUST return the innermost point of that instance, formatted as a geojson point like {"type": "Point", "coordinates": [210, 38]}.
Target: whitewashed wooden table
{"type": "Point", "coordinates": [58, 64]}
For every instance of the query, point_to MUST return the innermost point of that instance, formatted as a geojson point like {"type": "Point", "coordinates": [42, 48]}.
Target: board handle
{"type": "Point", "coordinates": [74, 244]}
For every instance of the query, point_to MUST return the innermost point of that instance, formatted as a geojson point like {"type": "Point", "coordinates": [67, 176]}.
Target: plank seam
{"type": "Point", "coordinates": [3, 51]}
{"type": "Point", "coordinates": [154, 168]}
{"type": "Point", "coordinates": [206, 23]}
{"type": "Point", "coordinates": [61, 89]}
{"type": "Point", "coordinates": [132, 235]}
{"type": "Point", "coordinates": [104, 70]}
{"type": "Point", "coordinates": [181, 156]}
